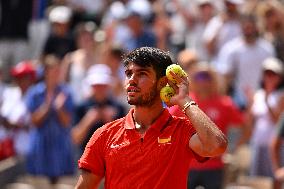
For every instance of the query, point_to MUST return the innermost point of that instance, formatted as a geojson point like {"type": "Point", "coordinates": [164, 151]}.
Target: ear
{"type": "Point", "coordinates": [162, 82]}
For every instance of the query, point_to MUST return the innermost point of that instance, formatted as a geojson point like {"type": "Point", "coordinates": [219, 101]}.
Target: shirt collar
{"type": "Point", "coordinates": [158, 124]}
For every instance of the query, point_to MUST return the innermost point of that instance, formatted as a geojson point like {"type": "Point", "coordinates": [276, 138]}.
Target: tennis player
{"type": "Point", "coordinates": [149, 148]}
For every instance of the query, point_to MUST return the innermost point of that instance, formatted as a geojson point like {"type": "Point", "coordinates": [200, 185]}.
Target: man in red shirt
{"type": "Point", "coordinates": [222, 110]}
{"type": "Point", "coordinates": [149, 148]}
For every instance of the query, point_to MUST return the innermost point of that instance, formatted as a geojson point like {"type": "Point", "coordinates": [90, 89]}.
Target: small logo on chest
{"type": "Point", "coordinates": [119, 145]}
{"type": "Point", "coordinates": [164, 140]}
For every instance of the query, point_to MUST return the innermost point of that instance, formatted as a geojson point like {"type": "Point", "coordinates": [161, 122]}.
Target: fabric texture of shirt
{"type": "Point", "coordinates": [224, 113]}
{"type": "Point", "coordinates": [160, 159]}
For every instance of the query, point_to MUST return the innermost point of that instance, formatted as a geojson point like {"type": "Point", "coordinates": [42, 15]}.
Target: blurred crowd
{"type": "Point", "coordinates": [61, 76]}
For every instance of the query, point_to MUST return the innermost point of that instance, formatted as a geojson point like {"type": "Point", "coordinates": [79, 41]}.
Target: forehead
{"type": "Point", "coordinates": [135, 67]}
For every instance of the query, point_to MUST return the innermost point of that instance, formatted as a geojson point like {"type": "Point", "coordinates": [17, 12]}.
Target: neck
{"type": "Point", "coordinates": [145, 116]}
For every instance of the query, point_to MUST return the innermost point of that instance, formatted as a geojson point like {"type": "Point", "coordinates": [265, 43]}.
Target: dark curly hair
{"type": "Point", "coordinates": [149, 56]}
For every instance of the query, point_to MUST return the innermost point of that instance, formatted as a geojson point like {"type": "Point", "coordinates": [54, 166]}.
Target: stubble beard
{"type": "Point", "coordinates": [145, 100]}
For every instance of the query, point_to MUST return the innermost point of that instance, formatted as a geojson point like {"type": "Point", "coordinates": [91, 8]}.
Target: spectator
{"type": "Point", "coordinates": [187, 59]}
{"type": "Point", "coordinates": [88, 10]}
{"type": "Point", "coordinates": [196, 25]}
{"type": "Point", "coordinates": [272, 13]}
{"type": "Point", "coordinates": [15, 16]}
{"type": "Point", "coordinates": [140, 34]}
{"type": "Point", "coordinates": [221, 110]}
{"type": "Point", "coordinates": [51, 108]}
{"type": "Point", "coordinates": [222, 28]}
{"type": "Point", "coordinates": [60, 40]}
{"type": "Point", "coordinates": [39, 28]}
{"type": "Point", "coordinates": [265, 111]}
{"type": "Point", "coordinates": [76, 63]}
{"type": "Point", "coordinates": [99, 109]}
{"type": "Point", "coordinates": [240, 60]}
{"type": "Point", "coordinates": [113, 59]}
{"type": "Point", "coordinates": [14, 113]}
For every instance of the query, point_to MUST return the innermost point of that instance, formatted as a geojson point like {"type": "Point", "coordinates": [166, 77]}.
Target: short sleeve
{"type": "Point", "coordinates": [93, 156]}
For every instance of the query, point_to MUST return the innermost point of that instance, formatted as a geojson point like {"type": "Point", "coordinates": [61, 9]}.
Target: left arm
{"type": "Point", "coordinates": [209, 141]}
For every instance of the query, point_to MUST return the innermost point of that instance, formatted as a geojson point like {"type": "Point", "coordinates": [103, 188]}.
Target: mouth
{"type": "Point", "coordinates": [131, 90]}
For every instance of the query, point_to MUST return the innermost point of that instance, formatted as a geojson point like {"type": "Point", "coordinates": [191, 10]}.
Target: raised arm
{"type": "Point", "coordinates": [209, 140]}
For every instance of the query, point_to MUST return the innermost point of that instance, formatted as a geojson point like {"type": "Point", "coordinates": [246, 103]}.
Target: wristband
{"type": "Point", "coordinates": [187, 105]}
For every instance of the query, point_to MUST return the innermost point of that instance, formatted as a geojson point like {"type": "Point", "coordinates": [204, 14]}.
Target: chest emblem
{"type": "Point", "coordinates": [164, 140]}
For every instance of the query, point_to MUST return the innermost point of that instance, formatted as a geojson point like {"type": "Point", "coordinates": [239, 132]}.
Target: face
{"type": "Point", "coordinates": [24, 81]}
{"type": "Point", "coordinates": [100, 91]}
{"type": "Point", "coordinates": [51, 74]}
{"type": "Point", "coordinates": [141, 85]}
{"type": "Point", "coordinates": [85, 40]}
{"type": "Point", "coordinates": [206, 11]}
{"type": "Point", "coordinates": [203, 82]}
{"type": "Point", "coordinates": [249, 30]}
{"type": "Point", "coordinates": [272, 19]}
{"type": "Point", "coordinates": [231, 8]}
{"type": "Point", "coordinates": [271, 79]}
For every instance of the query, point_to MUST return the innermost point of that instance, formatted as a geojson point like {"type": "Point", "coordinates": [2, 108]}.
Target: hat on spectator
{"type": "Point", "coordinates": [60, 14]}
{"type": "Point", "coordinates": [24, 68]}
{"type": "Point", "coordinates": [273, 64]}
{"type": "Point", "coordinates": [138, 8]}
{"type": "Point", "coordinates": [237, 2]}
{"type": "Point", "coordinates": [203, 2]}
{"type": "Point", "coordinates": [99, 74]}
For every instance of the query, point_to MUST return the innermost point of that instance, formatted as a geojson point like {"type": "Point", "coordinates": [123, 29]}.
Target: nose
{"type": "Point", "coordinates": [132, 79]}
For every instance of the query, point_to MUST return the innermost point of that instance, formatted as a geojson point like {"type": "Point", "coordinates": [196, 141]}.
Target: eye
{"type": "Point", "coordinates": [128, 74]}
{"type": "Point", "coordinates": [142, 73]}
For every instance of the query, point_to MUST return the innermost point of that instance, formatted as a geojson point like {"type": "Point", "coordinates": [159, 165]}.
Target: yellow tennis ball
{"type": "Point", "coordinates": [167, 93]}
{"type": "Point", "coordinates": [175, 68]}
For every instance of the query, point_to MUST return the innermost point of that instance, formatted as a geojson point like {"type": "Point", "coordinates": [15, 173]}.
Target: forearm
{"type": "Point", "coordinates": [39, 115]}
{"type": "Point", "coordinates": [79, 132]}
{"type": "Point", "coordinates": [64, 117]}
{"type": "Point", "coordinates": [213, 141]}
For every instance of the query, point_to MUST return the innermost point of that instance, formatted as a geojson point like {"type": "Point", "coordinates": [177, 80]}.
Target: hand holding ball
{"type": "Point", "coordinates": [177, 70]}
{"type": "Point", "coordinates": [168, 92]}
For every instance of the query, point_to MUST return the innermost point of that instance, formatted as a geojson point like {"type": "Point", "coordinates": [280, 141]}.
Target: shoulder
{"type": "Point", "coordinates": [180, 121]}
{"type": "Point", "coordinates": [264, 44]}
{"type": "Point", "coordinates": [235, 43]}
{"type": "Point", "coordinates": [36, 89]}
{"type": "Point", "coordinates": [106, 131]}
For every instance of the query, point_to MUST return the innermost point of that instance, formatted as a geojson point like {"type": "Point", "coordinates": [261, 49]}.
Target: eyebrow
{"type": "Point", "coordinates": [138, 70]}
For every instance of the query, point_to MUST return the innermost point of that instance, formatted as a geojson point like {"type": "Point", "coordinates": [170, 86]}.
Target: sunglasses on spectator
{"type": "Point", "coordinates": [202, 76]}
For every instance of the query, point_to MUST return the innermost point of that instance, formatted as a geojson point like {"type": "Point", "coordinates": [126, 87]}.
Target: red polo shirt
{"type": "Point", "coordinates": [159, 160]}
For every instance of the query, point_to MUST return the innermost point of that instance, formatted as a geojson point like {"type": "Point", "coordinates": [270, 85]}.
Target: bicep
{"type": "Point", "coordinates": [88, 180]}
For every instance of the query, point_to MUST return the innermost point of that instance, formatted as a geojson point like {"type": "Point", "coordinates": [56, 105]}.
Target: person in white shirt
{"type": "Point", "coordinates": [265, 110]}
{"type": "Point", "coordinates": [14, 115]}
{"type": "Point", "coordinates": [240, 60]}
